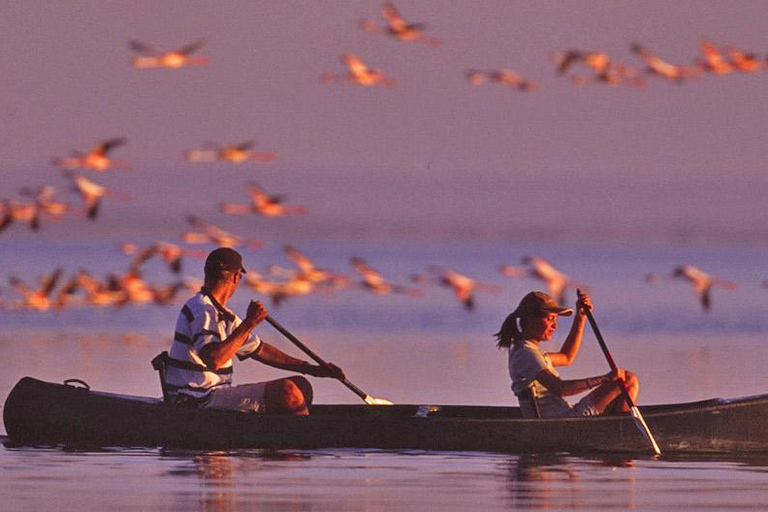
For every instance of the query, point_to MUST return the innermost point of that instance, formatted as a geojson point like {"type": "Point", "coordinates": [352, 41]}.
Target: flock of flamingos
{"type": "Point", "coordinates": [54, 291]}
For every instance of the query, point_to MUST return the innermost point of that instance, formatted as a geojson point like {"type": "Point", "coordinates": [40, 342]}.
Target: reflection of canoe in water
{"type": "Point", "coordinates": [41, 413]}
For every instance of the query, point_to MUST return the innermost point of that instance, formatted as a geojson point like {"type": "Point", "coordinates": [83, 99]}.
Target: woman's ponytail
{"type": "Point", "coordinates": [509, 332]}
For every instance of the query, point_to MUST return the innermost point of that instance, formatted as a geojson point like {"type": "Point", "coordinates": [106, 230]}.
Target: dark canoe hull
{"type": "Point", "coordinates": [41, 413]}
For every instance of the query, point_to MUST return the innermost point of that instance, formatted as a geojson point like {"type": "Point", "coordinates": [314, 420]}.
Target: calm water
{"type": "Point", "coordinates": [409, 350]}
{"type": "Point", "coordinates": [44, 479]}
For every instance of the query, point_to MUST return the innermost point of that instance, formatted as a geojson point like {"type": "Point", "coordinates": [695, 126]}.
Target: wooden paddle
{"type": "Point", "coordinates": [639, 421]}
{"type": "Point", "coordinates": [359, 392]}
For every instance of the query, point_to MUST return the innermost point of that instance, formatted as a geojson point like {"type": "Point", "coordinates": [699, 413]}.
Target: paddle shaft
{"type": "Point", "coordinates": [285, 332]}
{"type": "Point", "coordinates": [608, 357]}
{"type": "Point", "coordinates": [639, 420]}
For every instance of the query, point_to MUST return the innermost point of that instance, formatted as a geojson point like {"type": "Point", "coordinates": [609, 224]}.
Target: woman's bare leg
{"type": "Point", "coordinates": [607, 397]}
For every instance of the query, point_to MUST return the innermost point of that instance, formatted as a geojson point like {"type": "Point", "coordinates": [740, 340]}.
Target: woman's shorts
{"type": "Point", "coordinates": [584, 408]}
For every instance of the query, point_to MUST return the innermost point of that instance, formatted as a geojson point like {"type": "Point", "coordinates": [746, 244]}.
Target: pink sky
{"type": "Point", "coordinates": [433, 151]}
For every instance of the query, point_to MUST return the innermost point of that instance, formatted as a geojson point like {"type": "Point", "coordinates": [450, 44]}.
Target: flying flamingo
{"type": "Point", "coordinates": [96, 159]}
{"type": "Point", "coordinates": [398, 28]}
{"type": "Point", "coordinates": [501, 76]}
{"type": "Point", "coordinates": [745, 62]}
{"type": "Point", "coordinates": [556, 281]}
{"type": "Point", "coordinates": [308, 269]}
{"type": "Point", "coordinates": [597, 61]}
{"type": "Point", "coordinates": [262, 204]}
{"type": "Point", "coordinates": [702, 283]}
{"type": "Point", "coordinates": [658, 66]}
{"type": "Point", "coordinates": [43, 197]}
{"type": "Point", "coordinates": [234, 153]}
{"type": "Point", "coordinates": [37, 299]}
{"type": "Point", "coordinates": [714, 60]}
{"type": "Point", "coordinates": [170, 253]}
{"type": "Point", "coordinates": [12, 211]}
{"type": "Point", "coordinates": [464, 287]}
{"type": "Point", "coordinates": [153, 58]}
{"type": "Point", "coordinates": [97, 293]}
{"type": "Point", "coordinates": [279, 291]}
{"type": "Point", "coordinates": [606, 70]}
{"type": "Point", "coordinates": [375, 282]}
{"type": "Point", "coordinates": [212, 234]}
{"type": "Point", "coordinates": [92, 193]}
{"type": "Point", "coordinates": [359, 73]}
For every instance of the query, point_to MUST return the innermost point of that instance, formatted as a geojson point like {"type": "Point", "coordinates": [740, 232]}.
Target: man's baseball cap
{"type": "Point", "coordinates": [225, 258]}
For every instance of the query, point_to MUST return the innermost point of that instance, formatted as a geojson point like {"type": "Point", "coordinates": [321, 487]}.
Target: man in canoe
{"type": "Point", "coordinates": [209, 335]}
{"type": "Point", "coordinates": [536, 383]}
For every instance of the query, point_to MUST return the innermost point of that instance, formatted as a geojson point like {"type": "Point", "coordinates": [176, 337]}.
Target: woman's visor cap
{"type": "Point", "coordinates": [540, 302]}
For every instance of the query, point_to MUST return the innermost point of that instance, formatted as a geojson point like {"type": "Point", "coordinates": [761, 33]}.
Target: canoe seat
{"type": "Point", "coordinates": [160, 364]}
{"type": "Point", "coordinates": [529, 396]}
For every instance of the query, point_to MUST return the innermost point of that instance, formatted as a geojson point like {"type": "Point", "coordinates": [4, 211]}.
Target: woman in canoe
{"type": "Point", "coordinates": [536, 383]}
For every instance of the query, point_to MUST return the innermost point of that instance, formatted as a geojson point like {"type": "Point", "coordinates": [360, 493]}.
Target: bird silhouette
{"type": "Point", "coordinates": [43, 197]}
{"type": "Point", "coordinates": [171, 253]}
{"type": "Point", "coordinates": [714, 60]}
{"type": "Point", "coordinates": [38, 299]}
{"type": "Point", "coordinates": [153, 58]}
{"type": "Point", "coordinates": [98, 293]}
{"type": "Point", "coordinates": [604, 70]}
{"type": "Point", "coordinates": [92, 193]}
{"type": "Point", "coordinates": [702, 283]}
{"type": "Point", "coordinates": [235, 153]}
{"type": "Point", "coordinates": [513, 270]}
{"type": "Point", "coordinates": [96, 159]}
{"type": "Point", "coordinates": [211, 234]}
{"type": "Point", "coordinates": [658, 66]}
{"type": "Point", "coordinates": [375, 282]}
{"type": "Point", "coordinates": [463, 286]}
{"type": "Point", "coordinates": [12, 211]}
{"type": "Point", "coordinates": [65, 296]}
{"type": "Point", "coordinates": [744, 62]}
{"type": "Point", "coordinates": [398, 28]}
{"type": "Point", "coordinates": [326, 279]}
{"type": "Point", "coordinates": [279, 291]}
{"type": "Point", "coordinates": [556, 282]}
{"type": "Point", "coordinates": [501, 76]}
{"type": "Point", "coordinates": [263, 204]}
{"type": "Point", "coordinates": [597, 61]}
{"type": "Point", "coordinates": [359, 74]}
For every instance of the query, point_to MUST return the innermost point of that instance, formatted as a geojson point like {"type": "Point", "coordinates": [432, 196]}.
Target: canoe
{"type": "Point", "coordinates": [43, 413]}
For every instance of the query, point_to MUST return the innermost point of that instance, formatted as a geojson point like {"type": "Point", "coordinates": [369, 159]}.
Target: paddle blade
{"type": "Point", "coordinates": [376, 401]}
{"type": "Point", "coordinates": [643, 427]}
